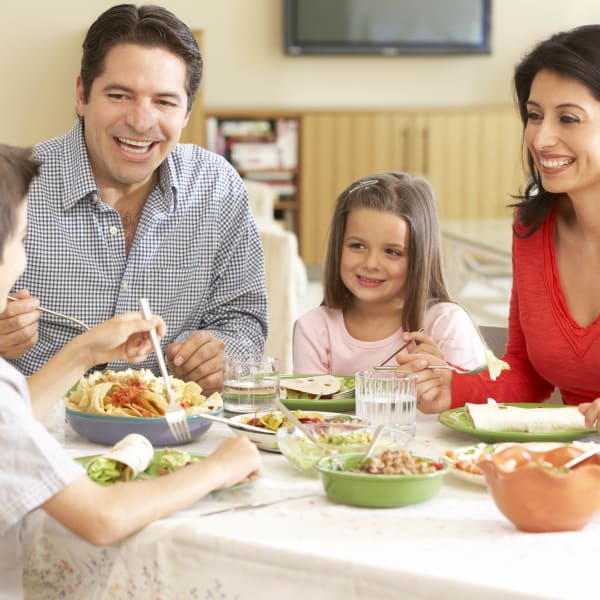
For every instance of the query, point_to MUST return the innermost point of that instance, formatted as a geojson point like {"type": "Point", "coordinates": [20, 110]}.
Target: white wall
{"type": "Point", "coordinates": [246, 66]}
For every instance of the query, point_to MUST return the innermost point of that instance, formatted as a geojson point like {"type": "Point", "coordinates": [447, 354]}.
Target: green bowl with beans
{"type": "Point", "coordinates": [390, 485]}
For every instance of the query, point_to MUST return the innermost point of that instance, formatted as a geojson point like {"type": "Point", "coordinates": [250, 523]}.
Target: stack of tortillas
{"type": "Point", "coordinates": [498, 417]}
{"type": "Point", "coordinates": [316, 386]}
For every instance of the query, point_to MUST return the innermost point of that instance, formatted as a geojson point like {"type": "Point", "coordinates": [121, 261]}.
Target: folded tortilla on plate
{"type": "Point", "coordinates": [134, 453]}
{"type": "Point", "coordinates": [319, 385]}
{"type": "Point", "coordinates": [498, 417]}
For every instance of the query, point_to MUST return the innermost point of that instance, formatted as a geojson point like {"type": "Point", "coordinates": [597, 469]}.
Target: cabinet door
{"type": "Point", "coordinates": [472, 157]}
{"type": "Point", "coordinates": [336, 149]}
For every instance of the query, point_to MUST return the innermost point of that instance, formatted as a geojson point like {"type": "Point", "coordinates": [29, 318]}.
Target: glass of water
{"type": "Point", "coordinates": [250, 383]}
{"type": "Point", "coordinates": [387, 397]}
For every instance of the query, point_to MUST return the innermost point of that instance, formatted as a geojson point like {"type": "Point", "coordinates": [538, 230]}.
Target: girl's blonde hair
{"type": "Point", "coordinates": [413, 199]}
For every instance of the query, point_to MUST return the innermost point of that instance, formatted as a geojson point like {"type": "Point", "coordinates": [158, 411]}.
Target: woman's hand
{"type": "Point", "coordinates": [124, 337]}
{"type": "Point", "coordinates": [434, 393]}
{"type": "Point", "coordinates": [591, 412]}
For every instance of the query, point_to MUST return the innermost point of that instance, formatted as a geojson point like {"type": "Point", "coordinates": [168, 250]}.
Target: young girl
{"type": "Point", "coordinates": [36, 471]}
{"type": "Point", "coordinates": [383, 281]}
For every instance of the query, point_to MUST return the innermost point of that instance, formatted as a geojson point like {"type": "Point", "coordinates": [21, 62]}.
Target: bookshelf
{"type": "Point", "coordinates": [263, 146]}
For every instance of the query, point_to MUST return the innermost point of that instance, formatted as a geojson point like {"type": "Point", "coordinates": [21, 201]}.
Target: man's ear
{"type": "Point", "coordinates": [79, 97]}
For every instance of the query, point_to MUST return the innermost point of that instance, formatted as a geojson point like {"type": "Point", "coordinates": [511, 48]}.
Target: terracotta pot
{"type": "Point", "coordinates": [537, 498]}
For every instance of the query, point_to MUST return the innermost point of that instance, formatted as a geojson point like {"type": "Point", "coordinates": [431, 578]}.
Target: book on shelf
{"type": "Point", "coordinates": [244, 127]}
{"type": "Point", "coordinates": [274, 175]}
{"type": "Point", "coordinates": [250, 155]}
{"type": "Point", "coordinates": [287, 139]}
{"type": "Point", "coordinates": [282, 189]}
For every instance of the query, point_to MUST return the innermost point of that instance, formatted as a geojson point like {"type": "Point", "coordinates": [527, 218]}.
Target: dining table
{"type": "Point", "coordinates": [296, 544]}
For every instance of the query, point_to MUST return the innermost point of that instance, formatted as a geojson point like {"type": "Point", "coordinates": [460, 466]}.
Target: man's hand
{"type": "Point", "coordinates": [200, 359]}
{"type": "Point", "coordinates": [19, 325]}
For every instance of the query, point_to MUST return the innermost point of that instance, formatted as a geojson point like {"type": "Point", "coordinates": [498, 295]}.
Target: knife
{"type": "Point", "coordinates": [256, 505]}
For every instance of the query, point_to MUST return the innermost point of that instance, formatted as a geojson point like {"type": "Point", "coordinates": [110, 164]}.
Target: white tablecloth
{"type": "Point", "coordinates": [456, 546]}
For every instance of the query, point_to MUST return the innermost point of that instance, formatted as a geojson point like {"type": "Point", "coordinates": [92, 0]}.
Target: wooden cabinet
{"type": "Point", "coordinates": [471, 156]}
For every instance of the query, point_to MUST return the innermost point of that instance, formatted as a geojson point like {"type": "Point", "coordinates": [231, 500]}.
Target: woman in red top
{"type": "Point", "coordinates": [554, 319]}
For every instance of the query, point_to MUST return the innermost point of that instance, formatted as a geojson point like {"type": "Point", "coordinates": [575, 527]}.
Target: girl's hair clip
{"type": "Point", "coordinates": [362, 184]}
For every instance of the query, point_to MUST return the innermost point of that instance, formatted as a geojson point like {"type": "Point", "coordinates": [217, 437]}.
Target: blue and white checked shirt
{"type": "Point", "coordinates": [196, 256]}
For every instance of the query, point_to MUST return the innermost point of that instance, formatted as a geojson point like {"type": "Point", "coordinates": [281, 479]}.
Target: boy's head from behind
{"type": "Point", "coordinates": [17, 169]}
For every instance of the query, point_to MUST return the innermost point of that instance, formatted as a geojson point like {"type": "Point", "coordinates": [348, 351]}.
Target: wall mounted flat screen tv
{"type": "Point", "coordinates": [387, 27]}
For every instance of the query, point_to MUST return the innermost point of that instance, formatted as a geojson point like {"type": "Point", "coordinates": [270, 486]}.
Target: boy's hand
{"type": "Point", "coordinates": [19, 325]}
{"type": "Point", "coordinates": [124, 337]}
{"type": "Point", "coordinates": [238, 460]}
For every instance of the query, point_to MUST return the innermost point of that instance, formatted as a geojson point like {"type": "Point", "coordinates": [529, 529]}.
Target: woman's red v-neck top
{"type": "Point", "coordinates": [546, 348]}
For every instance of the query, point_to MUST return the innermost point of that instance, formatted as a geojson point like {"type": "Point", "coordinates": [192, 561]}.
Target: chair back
{"type": "Point", "coordinates": [495, 338]}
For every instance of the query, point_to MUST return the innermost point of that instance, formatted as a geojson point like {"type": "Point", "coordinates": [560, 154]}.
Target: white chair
{"type": "Point", "coordinates": [285, 273]}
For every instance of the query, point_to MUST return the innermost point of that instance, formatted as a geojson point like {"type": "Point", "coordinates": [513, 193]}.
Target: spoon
{"type": "Point", "coordinates": [367, 455]}
{"type": "Point", "coordinates": [295, 421]}
{"type": "Point", "coordinates": [581, 457]}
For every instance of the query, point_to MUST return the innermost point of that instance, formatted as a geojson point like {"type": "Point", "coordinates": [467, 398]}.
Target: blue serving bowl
{"type": "Point", "coordinates": [106, 429]}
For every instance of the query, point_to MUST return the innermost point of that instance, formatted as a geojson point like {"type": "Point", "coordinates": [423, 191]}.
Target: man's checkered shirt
{"type": "Point", "coordinates": [196, 255]}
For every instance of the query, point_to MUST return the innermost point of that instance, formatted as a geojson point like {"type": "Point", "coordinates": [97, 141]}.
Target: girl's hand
{"type": "Point", "coordinates": [591, 412]}
{"type": "Point", "coordinates": [124, 337]}
{"type": "Point", "coordinates": [423, 344]}
{"type": "Point", "coordinates": [434, 392]}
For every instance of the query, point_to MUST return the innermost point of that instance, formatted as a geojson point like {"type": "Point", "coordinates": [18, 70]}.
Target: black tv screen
{"type": "Point", "coordinates": [387, 27]}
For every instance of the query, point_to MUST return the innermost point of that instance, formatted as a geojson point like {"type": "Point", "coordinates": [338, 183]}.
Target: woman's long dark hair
{"type": "Point", "coordinates": [574, 54]}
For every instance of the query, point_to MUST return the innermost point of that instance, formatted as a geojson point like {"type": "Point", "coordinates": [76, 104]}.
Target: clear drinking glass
{"type": "Point", "coordinates": [388, 397]}
{"type": "Point", "coordinates": [250, 383]}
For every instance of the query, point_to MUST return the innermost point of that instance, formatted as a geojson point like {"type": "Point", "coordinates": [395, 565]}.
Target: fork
{"type": "Point", "coordinates": [349, 393]}
{"type": "Point", "coordinates": [474, 371]}
{"type": "Point", "coordinates": [175, 416]}
{"type": "Point", "coordinates": [56, 314]}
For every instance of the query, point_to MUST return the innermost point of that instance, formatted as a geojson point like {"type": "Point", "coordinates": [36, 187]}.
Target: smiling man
{"type": "Point", "coordinates": [121, 210]}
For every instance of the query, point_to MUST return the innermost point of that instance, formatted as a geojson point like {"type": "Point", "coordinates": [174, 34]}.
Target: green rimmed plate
{"type": "Point", "coordinates": [295, 402]}
{"type": "Point", "coordinates": [152, 470]}
{"type": "Point", "coordinates": [458, 419]}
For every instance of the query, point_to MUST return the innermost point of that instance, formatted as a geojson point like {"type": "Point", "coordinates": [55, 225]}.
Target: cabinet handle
{"type": "Point", "coordinates": [425, 138]}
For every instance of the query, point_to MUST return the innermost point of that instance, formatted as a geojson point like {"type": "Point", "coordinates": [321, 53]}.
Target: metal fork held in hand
{"type": "Point", "coordinates": [175, 416]}
{"type": "Point", "coordinates": [474, 371]}
{"type": "Point", "coordinates": [56, 314]}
